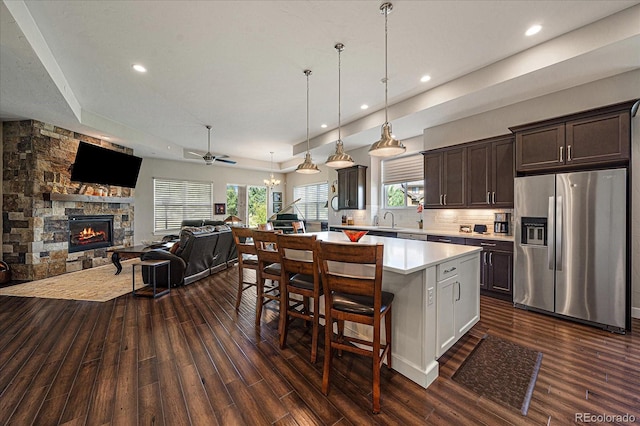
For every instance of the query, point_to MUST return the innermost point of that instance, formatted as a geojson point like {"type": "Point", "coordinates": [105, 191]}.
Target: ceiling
{"type": "Point", "coordinates": [238, 66]}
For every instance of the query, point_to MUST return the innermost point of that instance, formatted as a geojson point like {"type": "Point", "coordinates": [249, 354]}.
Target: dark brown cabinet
{"type": "Point", "coordinates": [496, 264]}
{"type": "Point", "coordinates": [490, 173]}
{"type": "Point", "coordinates": [496, 267]}
{"type": "Point", "coordinates": [352, 188]}
{"type": "Point", "coordinates": [594, 138]}
{"type": "Point", "coordinates": [444, 180]}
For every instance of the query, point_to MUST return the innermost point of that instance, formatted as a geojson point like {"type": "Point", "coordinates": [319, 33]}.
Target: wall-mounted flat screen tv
{"type": "Point", "coordinates": [95, 164]}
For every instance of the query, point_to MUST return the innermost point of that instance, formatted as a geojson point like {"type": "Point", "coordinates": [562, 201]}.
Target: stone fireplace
{"type": "Point", "coordinates": [40, 203]}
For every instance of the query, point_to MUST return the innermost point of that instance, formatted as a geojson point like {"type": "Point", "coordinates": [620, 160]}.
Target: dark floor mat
{"type": "Point", "coordinates": [502, 371]}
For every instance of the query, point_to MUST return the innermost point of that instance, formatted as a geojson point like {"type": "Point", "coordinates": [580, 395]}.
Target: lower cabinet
{"type": "Point", "coordinates": [458, 301]}
{"type": "Point", "coordinates": [496, 264]}
{"type": "Point", "coordinates": [496, 268]}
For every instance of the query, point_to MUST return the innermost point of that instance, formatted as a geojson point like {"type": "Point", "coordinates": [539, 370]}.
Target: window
{"type": "Point", "coordinates": [257, 205]}
{"type": "Point", "coordinates": [313, 201]}
{"type": "Point", "coordinates": [175, 201]}
{"type": "Point", "coordinates": [403, 181]}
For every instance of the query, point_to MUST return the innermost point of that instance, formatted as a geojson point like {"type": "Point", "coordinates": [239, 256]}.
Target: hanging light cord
{"type": "Point", "coordinates": [340, 47]}
{"type": "Point", "coordinates": [386, 78]}
{"type": "Point", "coordinates": [307, 73]}
{"type": "Point", "coordinates": [209, 138]}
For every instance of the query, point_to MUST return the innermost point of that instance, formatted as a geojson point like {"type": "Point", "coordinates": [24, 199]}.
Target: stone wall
{"type": "Point", "coordinates": [36, 160]}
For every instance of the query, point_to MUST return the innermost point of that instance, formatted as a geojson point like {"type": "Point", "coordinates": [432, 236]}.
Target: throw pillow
{"type": "Point", "coordinates": [174, 248]}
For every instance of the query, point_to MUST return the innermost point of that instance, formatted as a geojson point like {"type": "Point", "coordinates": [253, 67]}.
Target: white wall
{"type": "Point", "coordinates": [220, 176]}
{"type": "Point", "coordinates": [611, 90]}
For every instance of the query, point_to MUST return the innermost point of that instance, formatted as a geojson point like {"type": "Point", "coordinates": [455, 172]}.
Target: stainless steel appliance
{"type": "Point", "coordinates": [571, 251]}
{"type": "Point", "coordinates": [502, 223]}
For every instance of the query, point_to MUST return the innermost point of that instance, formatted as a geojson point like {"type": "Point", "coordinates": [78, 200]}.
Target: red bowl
{"type": "Point", "coordinates": [353, 235]}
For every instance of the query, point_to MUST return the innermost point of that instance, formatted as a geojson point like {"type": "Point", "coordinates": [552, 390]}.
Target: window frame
{"type": "Point", "coordinates": [186, 205]}
{"type": "Point", "coordinates": [407, 170]}
{"type": "Point", "coordinates": [322, 189]}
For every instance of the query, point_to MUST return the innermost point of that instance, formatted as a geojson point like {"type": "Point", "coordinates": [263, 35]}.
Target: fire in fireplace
{"type": "Point", "coordinates": [90, 232]}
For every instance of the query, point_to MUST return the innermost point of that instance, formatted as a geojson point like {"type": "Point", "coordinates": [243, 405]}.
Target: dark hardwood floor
{"type": "Point", "coordinates": [187, 358]}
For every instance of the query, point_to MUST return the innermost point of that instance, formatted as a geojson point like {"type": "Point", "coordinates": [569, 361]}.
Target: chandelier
{"type": "Point", "coordinates": [272, 181]}
{"type": "Point", "coordinates": [387, 145]}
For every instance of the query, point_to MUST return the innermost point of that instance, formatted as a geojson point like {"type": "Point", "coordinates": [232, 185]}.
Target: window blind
{"type": "Point", "coordinates": [313, 199]}
{"type": "Point", "coordinates": [403, 169]}
{"type": "Point", "coordinates": [175, 201]}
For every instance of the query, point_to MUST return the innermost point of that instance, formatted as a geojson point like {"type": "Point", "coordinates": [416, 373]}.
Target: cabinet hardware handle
{"type": "Point", "coordinates": [494, 198]}
{"type": "Point", "coordinates": [446, 271]}
{"type": "Point", "coordinates": [445, 199]}
{"type": "Point", "coordinates": [488, 197]}
{"type": "Point", "coordinates": [561, 154]}
{"type": "Point", "coordinates": [459, 291]}
{"type": "Point", "coordinates": [491, 258]}
{"type": "Point", "coordinates": [441, 200]}
{"type": "Point", "coordinates": [442, 240]}
{"type": "Point", "coordinates": [484, 257]}
{"type": "Point", "coordinates": [487, 244]}
{"type": "Point", "coordinates": [568, 152]}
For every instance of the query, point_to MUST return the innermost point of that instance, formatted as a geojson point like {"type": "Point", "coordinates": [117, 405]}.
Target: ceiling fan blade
{"type": "Point", "coordinates": [225, 161]}
{"type": "Point", "coordinates": [198, 154]}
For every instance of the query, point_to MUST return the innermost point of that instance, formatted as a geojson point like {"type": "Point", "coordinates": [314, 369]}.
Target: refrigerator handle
{"type": "Point", "coordinates": [550, 228]}
{"type": "Point", "coordinates": [558, 233]}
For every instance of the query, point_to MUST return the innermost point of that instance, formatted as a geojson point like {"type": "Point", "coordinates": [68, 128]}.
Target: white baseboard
{"type": "Point", "coordinates": [635, 313]}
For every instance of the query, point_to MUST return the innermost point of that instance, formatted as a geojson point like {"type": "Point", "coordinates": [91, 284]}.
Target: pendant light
{"type": "Point", "coordinates": [339, 158]}
{"type": "Point", "coordinates": [387, 145]}
{"type": "Point", "coordinates": [272, 181]}
{"type": "Point", "coordinates": [307, 167]}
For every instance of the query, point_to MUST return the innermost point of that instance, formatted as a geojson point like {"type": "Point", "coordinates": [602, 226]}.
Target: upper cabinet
{"type": "Point", "coordinates": [490, 173]}
{"type": "Point", "coordinates": [594, 138]}
{"type": "Point", "coordinates": [352, 188]}
{"type": "Point", "coordinates": [477, 174]}
{"type": "Point", "coordinates": [444, 177]}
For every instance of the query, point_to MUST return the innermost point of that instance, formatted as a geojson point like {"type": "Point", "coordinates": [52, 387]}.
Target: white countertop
{"type": "Point", "coordinates": [406, 256]}
{"type": "Point", "coordinates": [401, 230]}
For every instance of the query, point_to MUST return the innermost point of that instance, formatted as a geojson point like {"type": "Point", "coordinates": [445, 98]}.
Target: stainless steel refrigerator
{"type": "Point", "coordinates": [571, 246]}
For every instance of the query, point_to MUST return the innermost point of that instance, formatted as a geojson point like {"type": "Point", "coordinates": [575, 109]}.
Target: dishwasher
{"type": "Point", "coordinates": [412, 236]}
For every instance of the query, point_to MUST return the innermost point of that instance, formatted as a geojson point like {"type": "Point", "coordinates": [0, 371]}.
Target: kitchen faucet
{"type": "Point", "coordinates": [393, 219]}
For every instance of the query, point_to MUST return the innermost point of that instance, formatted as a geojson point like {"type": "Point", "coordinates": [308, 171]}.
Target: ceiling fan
{"type": "Point", "coordinates": [209, 158]}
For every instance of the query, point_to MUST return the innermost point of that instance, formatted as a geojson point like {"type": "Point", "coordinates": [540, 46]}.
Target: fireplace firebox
{"type": "Point", "coordinates": [90, 232]}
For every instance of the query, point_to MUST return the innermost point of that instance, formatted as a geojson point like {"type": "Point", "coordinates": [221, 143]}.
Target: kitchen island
{"type": "Point", "coordinates": [437, 300]}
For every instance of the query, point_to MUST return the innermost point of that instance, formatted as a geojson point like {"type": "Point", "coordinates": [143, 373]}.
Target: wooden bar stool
{"type": "Point", "coordinates": [301, 275]}
{"type": "Point", "coordinates": [298, 226]}
{"type": "Point", "coordinates": [265, 226]}
{"type": "Point", "coordinates": [247, 259]}
{"type": "Point", "coordinates": [352, 280]}
{"type": "Point", "coordinates": [269, 268]}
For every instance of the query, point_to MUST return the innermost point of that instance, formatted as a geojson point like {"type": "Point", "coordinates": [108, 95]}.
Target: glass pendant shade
{"type": "Point", "coordinates": [307, 167]}
{"type": "Point", "coordinates": [387, 145]}
{"type": "Point", "coordinates": [340, 158]}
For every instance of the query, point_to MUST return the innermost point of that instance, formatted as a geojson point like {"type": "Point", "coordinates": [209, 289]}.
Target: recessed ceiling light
{"type": "Point", "coordinates": [139, 68]}
{"type": "Point", "coordinates": [324, 126]}
{"type": "Point", "coordinates": [425, 78]}
{"type": "Point", "coordinates": [364, 106]}
{"type": "Point", "coordinates": [534, 29]}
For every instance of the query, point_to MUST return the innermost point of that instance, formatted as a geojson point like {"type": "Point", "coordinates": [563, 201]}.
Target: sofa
{"type": "Point", "coordinates": [201, 251]}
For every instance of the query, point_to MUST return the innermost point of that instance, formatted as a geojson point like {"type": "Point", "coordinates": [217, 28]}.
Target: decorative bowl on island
{"type": "Point", "coordinates": [354, 235]}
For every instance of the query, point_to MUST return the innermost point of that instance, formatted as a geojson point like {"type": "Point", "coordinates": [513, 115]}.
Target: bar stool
{"type": "Point", "coordinates": [352, 280]}
{"type": "Point", "coordinates": [301, 275]}
{"type": "Point", "coordinates": [247, 259]}
{"type": "Point", "coordinates": [298, 226]}
{"type": "Point", "coordinates": [269, 268]}
{"type": "Point", "coordinates": [265, 226]}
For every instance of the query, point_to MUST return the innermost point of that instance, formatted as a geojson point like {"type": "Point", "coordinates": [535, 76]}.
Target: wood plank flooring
{"type": "Point", "coordinates": [188, 358]}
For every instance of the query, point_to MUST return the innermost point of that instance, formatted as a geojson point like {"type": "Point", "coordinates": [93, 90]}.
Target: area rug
{"type": "Point", "coordinates": [502, 371]}
{"type": "Point", "coordinates": [98, 284]}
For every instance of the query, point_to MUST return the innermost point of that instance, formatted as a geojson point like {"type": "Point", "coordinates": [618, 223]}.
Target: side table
{"type": "Point", "coordinates": [152, 266]}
